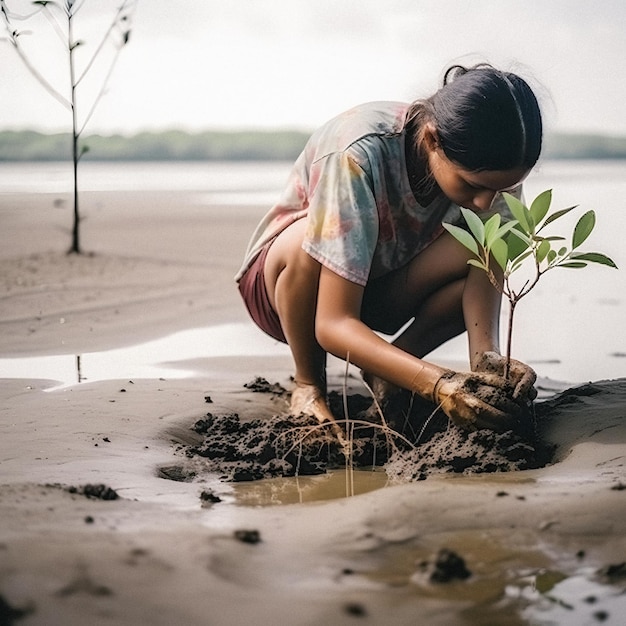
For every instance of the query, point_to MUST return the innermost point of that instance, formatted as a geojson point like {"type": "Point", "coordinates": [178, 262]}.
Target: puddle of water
{"type": "Point", "coordinates": [513, 580]}
{"type": "Point", "coordinates": [330, 486]}
{"type": "Point", "coordinates": [167, 357]}
{"type": "Point", "coordinates": [577, 600]}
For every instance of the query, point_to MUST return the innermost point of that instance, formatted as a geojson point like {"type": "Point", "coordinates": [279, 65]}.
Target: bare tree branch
{"type": "Point", "coordinates": [103, 41]}
{"type": "Point", "coordinates": [57, 95]}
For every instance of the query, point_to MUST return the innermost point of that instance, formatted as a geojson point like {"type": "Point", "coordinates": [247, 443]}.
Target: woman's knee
{"type": "Point", "coordinates": [284, 258]}
{"type": "Point", "coordinates": [392, 300]}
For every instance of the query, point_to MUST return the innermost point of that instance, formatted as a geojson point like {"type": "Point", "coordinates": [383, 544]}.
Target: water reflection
{"type": "Point", "coordinates": [168, 357]}
{"type": "Point", "coordinates": [330, 486]}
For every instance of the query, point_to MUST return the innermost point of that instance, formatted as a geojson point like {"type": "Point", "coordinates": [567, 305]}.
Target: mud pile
{"type": "Point", "coordinates": [411, 442]}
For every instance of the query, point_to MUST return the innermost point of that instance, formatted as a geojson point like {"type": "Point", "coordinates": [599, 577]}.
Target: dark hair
{"type": "Point", "coordinates": [485, 119]}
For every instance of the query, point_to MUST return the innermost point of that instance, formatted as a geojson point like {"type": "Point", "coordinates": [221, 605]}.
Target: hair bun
{"type": "Point", "coordinates": [456, 71]}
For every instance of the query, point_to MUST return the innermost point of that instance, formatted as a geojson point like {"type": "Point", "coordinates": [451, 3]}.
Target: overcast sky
{"type": "Point", "coordinates": [201, 64]}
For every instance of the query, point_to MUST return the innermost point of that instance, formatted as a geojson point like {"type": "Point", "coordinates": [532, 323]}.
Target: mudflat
{"type": "Point", "coordinates": [109, 515]}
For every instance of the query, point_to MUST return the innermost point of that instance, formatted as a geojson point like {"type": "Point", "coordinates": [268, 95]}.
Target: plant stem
{"type": "Point", "coordinates": [509, 337]}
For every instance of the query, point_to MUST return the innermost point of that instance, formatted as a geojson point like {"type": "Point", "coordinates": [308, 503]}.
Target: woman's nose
{"type": "Point", "coordinates": [483, 199]}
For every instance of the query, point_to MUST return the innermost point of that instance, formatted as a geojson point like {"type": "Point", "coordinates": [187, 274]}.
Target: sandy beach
{"type": "Point", "coordinates": [543, 546]}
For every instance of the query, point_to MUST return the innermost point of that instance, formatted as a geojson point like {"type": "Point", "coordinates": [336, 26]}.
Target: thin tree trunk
{"type": "Point", "coordinates": [75, 248]}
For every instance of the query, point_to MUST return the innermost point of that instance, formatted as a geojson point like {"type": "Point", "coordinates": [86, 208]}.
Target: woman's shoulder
{"type": "Point", "coordinates": [382, 118]}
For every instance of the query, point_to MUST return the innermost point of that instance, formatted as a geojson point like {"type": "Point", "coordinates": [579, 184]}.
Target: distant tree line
{"type": "Point", "coordinates": [279, 145]}
{"type": "Point", "coordinates": [173, 145]}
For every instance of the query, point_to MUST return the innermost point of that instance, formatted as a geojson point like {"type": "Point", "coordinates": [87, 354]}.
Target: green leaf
{"type": "Point", "coordinates": [556, 215]}
{"type": "Point", "coordinates": [475, 224]}
{"type": "Point", "coordinates": [491, 229]}
{"type": "Point", "coordinates": [520, 212]}
{"type": "Point", "coordinates": [551, 256]}
{"type": "Point", "coordinates": [594, 257]}
{"type": "Point", "coordinates": [505, 228]}
{"type": "Point", "coordinates": [517, 261]}
{"type": "Point", "coordinates": [575, 264]}
{"type": "Point", "coordinates": [500, 252]}
{"type": "Point", "coordinates": [463, 237]}
{"type": "Point", "coordinates": [518, 242]}
{"type": "Point", "coordinates": [540, 205]}
{"type": "Point", "coordinates": [519, 234]}
{"type": "Point", "coordinates": [478, 264]}
{"type": "Point", "coordinates": [583, 228]}
{"type": "Point", "coordinates": [542, 250]}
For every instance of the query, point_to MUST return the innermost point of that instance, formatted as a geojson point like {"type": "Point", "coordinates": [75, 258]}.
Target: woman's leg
{"type": "Point", "coordinates": [291, 278]}
{"type": "Point", "coordinates": [428, 290]}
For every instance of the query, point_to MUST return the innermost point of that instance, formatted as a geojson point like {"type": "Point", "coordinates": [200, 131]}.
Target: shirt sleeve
{"type": "Point", "coordinates": [343, 219]}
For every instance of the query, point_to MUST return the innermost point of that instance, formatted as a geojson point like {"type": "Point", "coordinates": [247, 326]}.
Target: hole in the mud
{"type": "Point", "coordinates": [297, 459]}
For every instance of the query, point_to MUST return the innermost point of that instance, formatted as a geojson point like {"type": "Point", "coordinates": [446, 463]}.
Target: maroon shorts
{"type": "Point", "coordinates": [254, 294]}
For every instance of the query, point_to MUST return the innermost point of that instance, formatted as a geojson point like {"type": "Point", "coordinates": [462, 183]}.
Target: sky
{"type": "Point", "coordinates": [231, 64]}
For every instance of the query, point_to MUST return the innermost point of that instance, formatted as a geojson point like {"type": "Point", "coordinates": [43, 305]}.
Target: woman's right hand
{"type": "Point", "coordinates": [308, 399]}
{"type": "Point", "coordinates": [476, 400]}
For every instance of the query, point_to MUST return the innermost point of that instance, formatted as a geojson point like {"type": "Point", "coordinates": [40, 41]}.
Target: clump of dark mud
{"type": "Point", "coordinates": [264, 448]}
{"type": "Point", "coordinates": [446, 567]}
{"type": "Point", "coordinates": [98, 492]}
{"type": "Point", "coordinates": [412, 441]}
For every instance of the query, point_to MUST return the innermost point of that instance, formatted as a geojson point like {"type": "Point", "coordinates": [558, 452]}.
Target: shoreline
{"type": "Point", "coordinates": [159, 554]}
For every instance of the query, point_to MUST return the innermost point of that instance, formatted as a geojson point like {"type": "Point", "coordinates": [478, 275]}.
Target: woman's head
{"type": "Point", "coordinates": [483, 119]}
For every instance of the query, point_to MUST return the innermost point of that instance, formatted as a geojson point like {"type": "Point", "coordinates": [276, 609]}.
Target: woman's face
{"type": "Point", "coordinates": [471, 190]}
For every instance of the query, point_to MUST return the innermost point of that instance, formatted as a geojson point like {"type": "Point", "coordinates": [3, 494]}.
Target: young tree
{"type": "Point", "coordinates": [512, 243]}
{"type": "Point", "coordinates": [60, 16]}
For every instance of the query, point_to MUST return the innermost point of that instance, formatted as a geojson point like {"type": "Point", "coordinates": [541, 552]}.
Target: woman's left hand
{"type": "Point", "coordinates": [521, 376]}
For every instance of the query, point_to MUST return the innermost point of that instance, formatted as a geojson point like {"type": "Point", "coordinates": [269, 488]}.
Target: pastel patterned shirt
{"type": "Point", "coordinates": [351, 185]}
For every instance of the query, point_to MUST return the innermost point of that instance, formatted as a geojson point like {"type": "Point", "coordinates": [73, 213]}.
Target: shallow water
{"type": "Point", "coordinates": [167, 357]}
{"type": "Point", "coordinates": [514, 580]}
{"type": "Point", "coordinates": [334, 485]}
{"type": "Point", "coordinates": [187, 353]}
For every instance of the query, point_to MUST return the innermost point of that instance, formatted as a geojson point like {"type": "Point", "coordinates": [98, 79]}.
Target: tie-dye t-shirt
{"type": "Point", "coordinates": [352, 186]}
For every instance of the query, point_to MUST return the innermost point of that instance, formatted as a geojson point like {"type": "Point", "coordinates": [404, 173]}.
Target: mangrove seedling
{"type": "Point", "coordinates": [512, 243]}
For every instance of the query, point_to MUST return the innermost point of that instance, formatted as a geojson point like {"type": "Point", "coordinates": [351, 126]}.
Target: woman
{"type": "Point", "coordinates": [356, 245]}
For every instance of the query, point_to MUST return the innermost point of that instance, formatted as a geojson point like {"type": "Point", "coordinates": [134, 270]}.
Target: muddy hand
{"type": "Point", "coordinates": [474, 401]}
{"type": "Point", "coordinates": [521, 377]}
{"type": "Point", "coordinates": [308, 399]}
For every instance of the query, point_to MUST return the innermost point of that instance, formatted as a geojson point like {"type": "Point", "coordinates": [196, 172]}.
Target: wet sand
{"type": "Point", "coordinates": [540, 544]}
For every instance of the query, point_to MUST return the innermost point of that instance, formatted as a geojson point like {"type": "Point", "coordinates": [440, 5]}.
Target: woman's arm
{"type": "Point", "coordinates": [481, 312]}
{"type": "Point", "coordinates": [340, 331]}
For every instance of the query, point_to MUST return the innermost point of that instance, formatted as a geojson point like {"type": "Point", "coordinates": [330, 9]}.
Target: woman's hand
{"type": "Point", "coordinates": [308, 399]}
{"type": "Point", "coordinates": [474, 401]}
{"type": "Point", "coordinates": [521, 376]}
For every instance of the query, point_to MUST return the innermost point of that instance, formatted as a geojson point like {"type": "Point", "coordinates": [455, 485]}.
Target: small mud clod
{"type": "Point", "coordinates": [208, 497]}
{"type": "Point", "coordinates": [248, 536]}
{"type": "Point", "coordinates": [448, 566]}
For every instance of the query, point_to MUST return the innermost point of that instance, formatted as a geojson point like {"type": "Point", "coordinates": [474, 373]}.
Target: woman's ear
{"type": "Point", "coordinates": [430, 138]}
